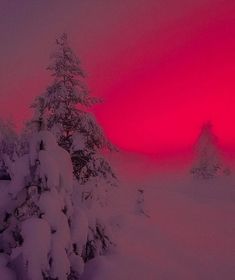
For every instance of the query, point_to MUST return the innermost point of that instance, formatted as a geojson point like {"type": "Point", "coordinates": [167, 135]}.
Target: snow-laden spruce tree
{"type": "Point", "coordinates": [64, 110]}
{"type": "Point", "coordinates": [8, 143]}
{"type": "Point", "coordinates": [62, 105]}
{"type": "Point", "coordinates": [208, 162]}
{"type": "Point", "coordinates": [42, 232]}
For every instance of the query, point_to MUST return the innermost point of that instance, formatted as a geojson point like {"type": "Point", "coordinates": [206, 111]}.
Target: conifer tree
{"type": "Point", "coordinates": [208, 162]}
{"type": "Point", "coordinates": [64, 110]}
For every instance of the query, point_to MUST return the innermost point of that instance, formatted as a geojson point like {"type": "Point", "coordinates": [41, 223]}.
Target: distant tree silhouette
{"type": "Point", "coordinates": [208, 162]}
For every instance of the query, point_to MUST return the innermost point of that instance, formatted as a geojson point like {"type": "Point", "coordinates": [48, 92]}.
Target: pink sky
{"type": "Point", "coordinates": [162, 67]}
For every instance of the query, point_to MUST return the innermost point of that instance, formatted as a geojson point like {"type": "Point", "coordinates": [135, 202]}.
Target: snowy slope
{"type": "Point", "coordinates": [190, 233]}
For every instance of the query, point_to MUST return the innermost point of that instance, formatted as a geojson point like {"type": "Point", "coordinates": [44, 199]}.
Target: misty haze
{"type": "Point", "coordinates": [117, 140]}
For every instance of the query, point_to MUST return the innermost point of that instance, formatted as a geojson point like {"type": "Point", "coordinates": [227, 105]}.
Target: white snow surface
{"type": "Point", "coordinates": [79, 228]}
{"type": "Point", "coordinates": [7, 274]}
{"type": "Point", "coordinates": [20, 172]}
{"type": "Point", "coordinates": [36, 246]}
{"type": "Point", "coordinates": [55, 161]}
{"type": "Point", "coordinates": [61, 264]}
{"type": "Point", "coordinates": [190, 234]}
{"type": "Point", "coordinates": [49, 170]}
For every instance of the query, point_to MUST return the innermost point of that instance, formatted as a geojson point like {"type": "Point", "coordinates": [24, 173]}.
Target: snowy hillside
{"type": "Point", "coordinates": [190, 234]}
{"type": "Point", "coordinates": [186, 230]}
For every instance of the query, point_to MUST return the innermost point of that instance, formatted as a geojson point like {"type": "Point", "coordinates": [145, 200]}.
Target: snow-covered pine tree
{"type": "Point", "coordinates": [208, 162]}
{"type": "Point", "coordinates": [66, 98]}
{"type": "Point", "coordinates": [40, 228]}
{"type": "Point", "coordinates": [66, 104]}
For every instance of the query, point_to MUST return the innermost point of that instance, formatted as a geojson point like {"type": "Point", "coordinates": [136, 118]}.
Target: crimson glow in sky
{"type": "Point", "coordinates": [163, 67]}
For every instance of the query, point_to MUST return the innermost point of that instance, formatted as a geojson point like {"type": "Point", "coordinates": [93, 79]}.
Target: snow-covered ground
{"type": "Point", "coordinates": [190, 233]}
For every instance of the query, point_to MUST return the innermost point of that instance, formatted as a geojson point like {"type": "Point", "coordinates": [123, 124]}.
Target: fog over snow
{"type": "Point", "coordinates": [190, 231]}
{"type": "Point", "coordinates": [79, 199]}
